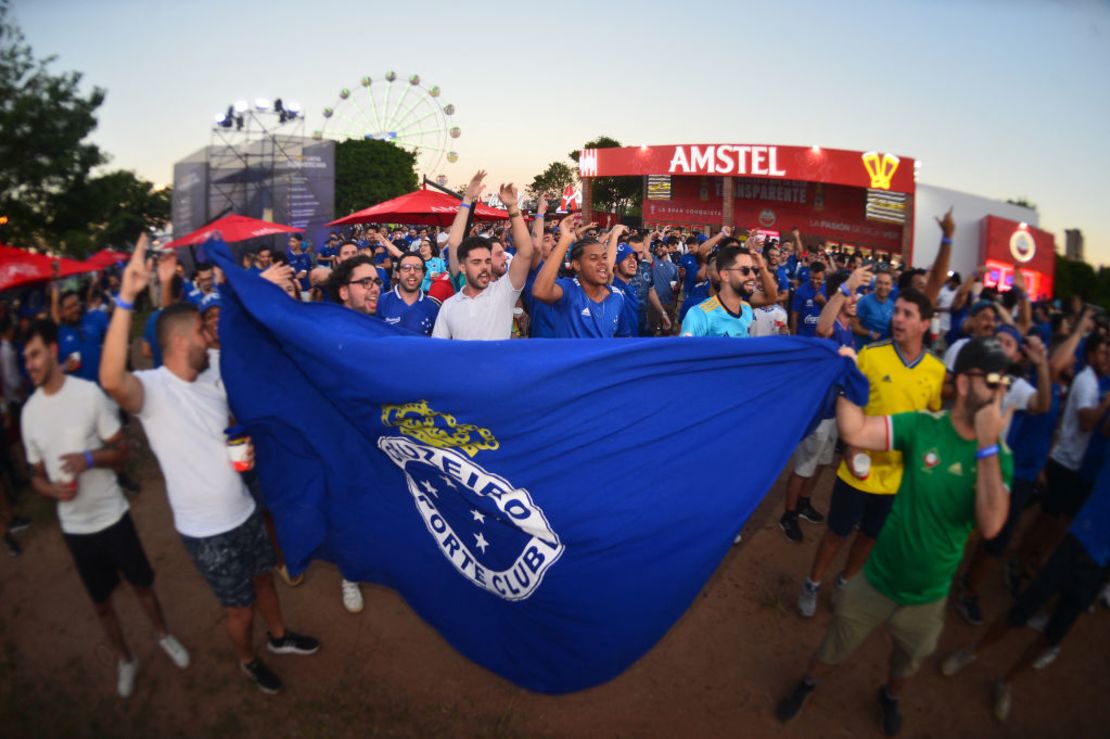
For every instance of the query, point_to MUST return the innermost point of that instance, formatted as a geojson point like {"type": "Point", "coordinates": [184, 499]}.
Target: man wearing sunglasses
{"type": "Point", "coordinates": [729, 312]}
{"type": "Point", "coordinates": [406, 305]}
{"type": "Point", "coordinates": [956, 477]}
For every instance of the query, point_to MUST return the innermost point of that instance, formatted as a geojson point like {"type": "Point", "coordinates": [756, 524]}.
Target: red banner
{"type": "Point", "coordinates": [1009, 245]}
{"type": "Point", "coordinates": [877, 170]}
{"type": "Point", "coordinates": [831, 212]}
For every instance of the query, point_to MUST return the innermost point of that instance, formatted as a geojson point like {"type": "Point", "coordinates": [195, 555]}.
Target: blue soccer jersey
{"type": "Point", "coordinates": [575, 316]}
{"type": "Point", "coordinates": [807, 308]}
{"type": "Point", "coordinates": [712, 318]}
{"type": "Point", "coordinates": [419, 317]}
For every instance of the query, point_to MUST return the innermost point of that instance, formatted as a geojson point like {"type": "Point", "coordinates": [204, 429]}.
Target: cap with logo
{"type": "Point", "coordinates": [983, 353]}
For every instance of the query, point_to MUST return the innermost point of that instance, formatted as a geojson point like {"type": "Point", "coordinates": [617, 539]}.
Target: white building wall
{"type": "Point", "coordinates": [931, 202]}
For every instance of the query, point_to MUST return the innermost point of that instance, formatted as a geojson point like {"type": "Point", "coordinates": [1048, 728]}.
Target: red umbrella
{"type": "Point", "coordinates": [233, 228]}
{"type": "Point", "coordinates": [423, 207]}
{"type": "Point", "coordinates": [106, 258]}
{"type": "Point", "coordinates": [19, 267]}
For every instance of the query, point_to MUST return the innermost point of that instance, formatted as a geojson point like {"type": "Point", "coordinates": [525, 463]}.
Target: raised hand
{"type": "Point", "coordinates": [475, 187]}
{"type": "Point", "coordinates": [136, 276]}
{"type": "Point", "coordinates": [947, 225]}
{"type": "Point", "coordinates": [1034, 349]}
{"type": "Point", "coordinates": [508, 195]}
{"type": "Point", "coordinates": [990, 420]}
{"type": "Point", "coordinates": [859, 278]}
{"type": "Point", "coordinates": [541, 204]}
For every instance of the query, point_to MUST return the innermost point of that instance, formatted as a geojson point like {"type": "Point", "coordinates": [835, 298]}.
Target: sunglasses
{"type": "Point", "coordinates": [743, 270]}
{"type": "Point", "coordinates": [993, 379]}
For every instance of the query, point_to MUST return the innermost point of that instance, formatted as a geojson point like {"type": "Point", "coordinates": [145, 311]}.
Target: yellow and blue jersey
{"type": "Point", "coordinates": [711, 318]}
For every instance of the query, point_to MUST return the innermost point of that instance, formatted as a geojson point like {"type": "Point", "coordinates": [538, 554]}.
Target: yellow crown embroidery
{"type": "Point", "coordinates": [881, 168]}
{"type": "Point", "coordinates": [437, 429]}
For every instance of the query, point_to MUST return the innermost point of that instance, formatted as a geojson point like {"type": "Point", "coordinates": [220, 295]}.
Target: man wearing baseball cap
{"type": "Point", "coordinates": [956, 477]}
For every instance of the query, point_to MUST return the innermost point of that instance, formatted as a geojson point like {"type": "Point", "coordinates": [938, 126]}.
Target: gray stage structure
{"type": "Point", "coordinates": [258, 166]}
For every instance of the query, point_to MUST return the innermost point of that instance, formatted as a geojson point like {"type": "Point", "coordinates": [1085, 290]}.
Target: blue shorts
{"type": "Point", "coordinates": [230, 561]}
{"type": "Point", "coordinates": [850, 508]}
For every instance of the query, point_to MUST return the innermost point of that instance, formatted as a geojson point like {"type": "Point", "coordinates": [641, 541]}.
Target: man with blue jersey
{"type": "Point", "coordinates": [874, 312]}
{"type": "Point", "coordinates": [585, 306]}
{"type": "Point", "coordinates": [204, 291]}
{"type": "Point", "coordinates": [80, 335]}
{"type": "Point", "coordinates": [300, 261]}
{"type": "Point", "coordinates": [808, 301]}
{"type": "Point", "coordinates": [816, 450]}
{"type": "Point", "coordinates": [729, 312]}
{"type": "Point", "coordinates": [406, 305]}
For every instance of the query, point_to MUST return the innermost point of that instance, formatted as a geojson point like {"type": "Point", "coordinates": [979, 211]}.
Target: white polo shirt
{"type": "Point", "coordinates": [485, 317]}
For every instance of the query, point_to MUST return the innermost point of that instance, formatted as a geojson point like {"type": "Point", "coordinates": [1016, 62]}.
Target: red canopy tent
{"type": "Point", "coordinates": [233, 228]}
{"type": "Point", "coordinates": [423, 207]}
{"type": "Point", "coordinates": [106, 258]}
{"type": "Point", "coordinates": [19, 267]}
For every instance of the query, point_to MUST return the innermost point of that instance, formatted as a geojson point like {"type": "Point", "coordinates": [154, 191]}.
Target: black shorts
{"type": "Point", "coordinates": [101, 556]}
{"type": "Point", "coordinates": [850, 507]}
{"type": "Point", "coordinates": [1066, 491]}
{"type": "Point", "coordinates": [1072, 573]}
{"type": "Point", "coordinates": [1020, 493]}
{"type": "Point", "coordinates": [230, 561]}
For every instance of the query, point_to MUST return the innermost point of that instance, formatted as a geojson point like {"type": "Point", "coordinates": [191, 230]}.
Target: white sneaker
{"type": "Point", "coordinates": [1047, 657]}
{"type": "Point", "coordinates": [125, 677]}
{"type": "Point", "coordinates": [352, 597]}
{"type": "Point", "coordinates": [807, 599]}
{"type": "Point", "coordinates": [1038, 622]}
{"type": "Point", "coordinates": [739, 538]}
{"type": "Point", "coordinates": [956, 661]}
{"type": "Point", "coordinates": [176, 652]}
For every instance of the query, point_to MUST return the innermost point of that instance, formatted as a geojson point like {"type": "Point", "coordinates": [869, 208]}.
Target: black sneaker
{"type": "Point", "coordinates": [1011, 577]}
{"type": "Point", "coordinates": [292, 643]}
{"type": "Point", "coordinates": [968, 606]}
{"type": "Point", "coordinates": [263, 677]}
{"type": "Point", "coordinates": [889, 714]}
{"type": "Point", "coordinates": [13, 546]}
{"type": "Point", "coordinates": [790, 705]}
{"type": "Point", "coordinates": [789, 525]}
{"type": "Point", "coordinates": [19, 523]}
{"type": "Point", "coordinates": [807, 512]}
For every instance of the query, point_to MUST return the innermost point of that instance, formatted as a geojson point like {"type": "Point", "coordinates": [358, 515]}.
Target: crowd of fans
{"type": "Point", "coordinates": [1015, 458]}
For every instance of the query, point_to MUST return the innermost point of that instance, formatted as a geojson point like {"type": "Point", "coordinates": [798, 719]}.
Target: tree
{"type": "Point", "coordinates": [107, 210]}
{"type": "Point", "coordinates": [553, 180]}
{"type": "Point", "coordinates": [616, 194]}
{"type": "Point", "coordinates": [369, 172]}
{"type": "Point", "coordinates": [1023, 202]}
{"type": "Point", "coordinates": [44, 120]}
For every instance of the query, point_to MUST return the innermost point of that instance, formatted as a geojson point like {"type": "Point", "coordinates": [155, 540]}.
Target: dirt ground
{"type": "Point", "coordinates": [718, 672]}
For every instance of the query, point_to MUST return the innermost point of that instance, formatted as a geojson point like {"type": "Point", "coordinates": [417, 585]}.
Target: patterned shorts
{"type": "Point", "coordinates": [230, 561]}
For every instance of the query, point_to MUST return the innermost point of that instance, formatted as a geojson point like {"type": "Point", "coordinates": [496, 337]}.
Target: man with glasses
{"type": "Point", "coordinates": [355, 283]}
{"type": "Point", "coordinates": [729, 312]}
{"type": "Point", "coordinates": [956, 477]}
{"type": "Point", "coordinates": [406, 305]}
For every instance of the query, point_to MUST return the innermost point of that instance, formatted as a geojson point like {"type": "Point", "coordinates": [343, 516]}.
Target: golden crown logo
{"type": "Point", "coordinates": [437, 429]}
{"type": "Point", "coordinates": [881, 168]}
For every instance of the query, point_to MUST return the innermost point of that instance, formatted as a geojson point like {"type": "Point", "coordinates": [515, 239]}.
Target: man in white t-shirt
{"type": "Point", "coordinates": [770, 320]}
{"type": "Point", "coordinates": [483, 309]}
{"type": "Point", "coordinates": [74, 443]}
{"type": "Point", "coordinates": [184, 410]}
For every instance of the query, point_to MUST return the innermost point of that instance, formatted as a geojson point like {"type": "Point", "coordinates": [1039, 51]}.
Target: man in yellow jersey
{"type": "Point", "coordinates": [904, 377]}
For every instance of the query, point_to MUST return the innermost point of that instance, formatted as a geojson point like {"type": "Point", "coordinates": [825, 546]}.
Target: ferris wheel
{"type": "Point", "coordinates": [403, 111]}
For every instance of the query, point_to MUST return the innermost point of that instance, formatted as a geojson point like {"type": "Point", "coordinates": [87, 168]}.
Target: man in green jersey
{"type": "Point", "coordinates": [956, 476]}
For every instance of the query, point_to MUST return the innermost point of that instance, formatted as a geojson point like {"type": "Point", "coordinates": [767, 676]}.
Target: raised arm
{"type": "Point", "coordinates": [827, 319]}
{"type": "Point", "coordinates": [1025, 309]}
{"type": "Point", "coordinates": [770, 294]}
{"type": "Point", "coordinates": [458, 226]}
{"type": "Point", "coordinates": [992, 500]}
{"type": "Point", "coordinates": [611, 245]}
{"type": "Point", "coordinates": [1064, 353]}
{"type": "Point", "coordinates": [537, 229]}
{"type": "Point", "coordinates": [545, 289]}
{"type": "Point", "coordinates": [121, 385]}
{"type": "Point", "coordinates": [522, 261]}
{"type": "Point", "coordinates": [1037, 354]}
{"type": "Point", "coordinates": [938, 273]}
{"type": "Point", "coordinates": [167, 268]}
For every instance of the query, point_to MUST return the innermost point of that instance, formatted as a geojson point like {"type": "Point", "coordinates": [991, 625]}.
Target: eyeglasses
{"type": "Point", "coordinates": [993, 379]}
{"type": "Point", "coordinates": [366, 282]}
{"type": "Point", "coordinates": [742, 270]}
{"type": "Point", "coordinates": [411, 268]}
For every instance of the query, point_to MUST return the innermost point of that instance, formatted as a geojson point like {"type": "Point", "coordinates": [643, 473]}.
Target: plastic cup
{"type": "Point", "coordinates": [238, 448]}
{"type": "Point", "coordinates": [75, 359]}
{"type": "Point", "coordinates": [861, 465]}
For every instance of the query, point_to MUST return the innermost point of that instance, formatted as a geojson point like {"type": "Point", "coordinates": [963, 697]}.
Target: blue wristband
{"type": "Point", "coordinates": [987, 451]}
{"type": "Point", "coordinates": [945, 240]}
{"type": "Point", "coordinates": [845, 291]}
{"type": "Point", "coordinates": [121, 303]}
{"type": "Point", "coordinates": [539, 216]}
{"type": "Point", "coordinates": [464, 204]}
{"type": "Point", "coordinates": [88, 459]}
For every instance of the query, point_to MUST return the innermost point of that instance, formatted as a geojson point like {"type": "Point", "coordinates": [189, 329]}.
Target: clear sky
{"type": "Point", "coordinates": [1002, 98]}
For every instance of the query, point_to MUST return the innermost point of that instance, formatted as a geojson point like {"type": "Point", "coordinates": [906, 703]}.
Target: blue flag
{"type": "Point", "coordinates": [551, 507]}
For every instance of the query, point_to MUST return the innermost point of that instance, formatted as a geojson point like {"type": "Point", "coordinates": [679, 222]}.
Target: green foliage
{"type": "Point", "coordinates": [107, 210]}
{"type": "Point", "coordinates": [553, 180]}
{"type": "Point", "coordinates": [44, 120]}
{"type": "Point", "coordinates": [613, 194]}
{"type": "Point", "coordinates": [370, 172]}
{"type": "Point", "coordinates": [1023, 202]}
{"type": "Point", "coordinates": [1080, 278]}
